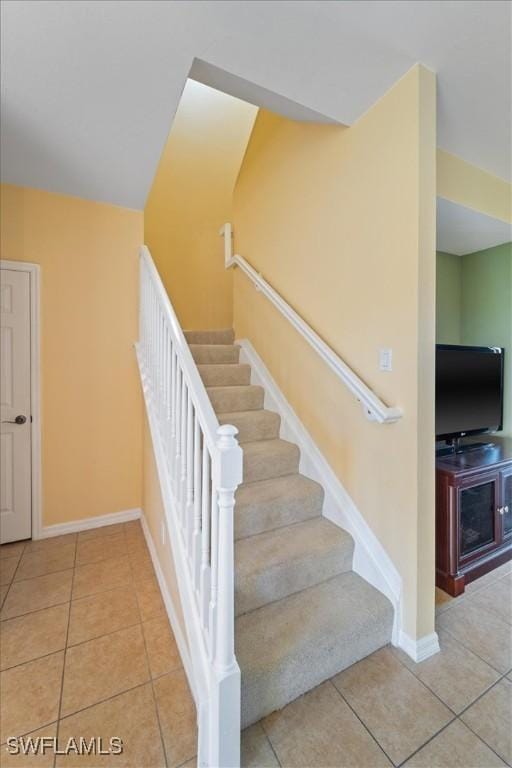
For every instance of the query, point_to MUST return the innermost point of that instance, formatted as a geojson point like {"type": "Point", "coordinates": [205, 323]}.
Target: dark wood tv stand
{"type": "Point", "coordinates": [473, 512]}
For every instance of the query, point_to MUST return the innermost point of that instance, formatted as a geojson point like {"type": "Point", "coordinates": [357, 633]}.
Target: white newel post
{"type": "Point", "coordinates": [225, 724]}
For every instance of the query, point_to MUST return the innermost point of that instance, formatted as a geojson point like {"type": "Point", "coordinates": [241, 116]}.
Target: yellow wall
{"type": "Point", "coordinates": [91, 402]}
{"type": "Point", "coordinates": [191, 198]}
{"type": "Point", "coordinates": [341, 221]}
{"type": "Point", "coordinates": [472, 187]}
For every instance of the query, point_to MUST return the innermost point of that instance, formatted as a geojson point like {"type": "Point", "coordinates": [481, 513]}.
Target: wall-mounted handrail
{"type": "Point", "coordinates": [199, 467]}
{"type": "Point", "coordinates": [374, 408]}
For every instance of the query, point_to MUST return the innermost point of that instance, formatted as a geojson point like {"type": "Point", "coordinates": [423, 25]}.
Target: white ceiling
{"type": "Point", "coordinates": [89, 88]}
{"type": "Point", "coordinates": [462, 230]}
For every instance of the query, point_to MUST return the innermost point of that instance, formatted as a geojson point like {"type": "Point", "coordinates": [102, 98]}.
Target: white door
{"type": "Point", "coordinates": [15, 431]}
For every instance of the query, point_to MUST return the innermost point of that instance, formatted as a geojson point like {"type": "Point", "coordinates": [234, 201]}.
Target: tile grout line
{"type": "Point", "coordinates": [480, 738]}
{"type": "Point", "coordinates": [482, 693]}
{"type": "Point", "coordinates": [267, 738]}
{"type": "Point", "coordinates": [460, 642]}
{"type": "Point", "coordinates": [64, 659]}
{"type": "Point", "coordinates": [435, 735]}
{"type": "Point", "coordinates": [157, 711]}
{"type": "Point", "coordinates": [342, 697]}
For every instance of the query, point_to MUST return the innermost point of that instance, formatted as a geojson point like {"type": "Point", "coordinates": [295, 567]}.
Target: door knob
{"type": "Point", "coordinates": [18, 420]}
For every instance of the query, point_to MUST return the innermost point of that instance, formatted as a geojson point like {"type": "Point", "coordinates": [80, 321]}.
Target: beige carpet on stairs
{"type": "Point", "coordinates": [303, 615]}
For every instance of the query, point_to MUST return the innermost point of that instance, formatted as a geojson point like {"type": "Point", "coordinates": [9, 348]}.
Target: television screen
{"type": "Point", "coordinates": [469, 390]}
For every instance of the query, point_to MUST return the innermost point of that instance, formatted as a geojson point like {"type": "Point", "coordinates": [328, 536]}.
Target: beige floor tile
{"type": "Point", "coordinates": [133, 525]}
{"type": "Point", "coordinates": [38, 545]}
{"type": "Point", "coordinates": [103, 667]}
{"type": "Point", "coordinates": [397, 709]}
{"type": "Point", "coordinates": [497, 598]}
{"type": "Point", "coordinates": [130, 716]}
{"type": "Point", "coordinates": [100, 548]}
{"type": "Point", "coordinates": [12, 550]}
{"type": "Point", "coordinates": [444, 600]}
{"type": "Point", "coordinates": [136, 544]}
{"type": "Point", "coordinates": [44, 561]}
{"type": "Point", "coordinates": [3, 592]}
{"type": "Point", "coordinates": [34, 594]}
{"type": "Point", "coordinates": [29, 695]}
{"type": "Point", "coordinates": [319, 729]}
{"type": "Point", "coordinates": [36, 754]}
{"type": "Point", "coordinates": [98, 577]}
{"type": "Point", "coordinates": [7, 569]}
{"type": "Point", "coordinates": [489, 578]}
{"type": "Point", "coordinates": [255, 749]}
{"type": "Point", "coordinates": [134, 536]}
{"type": "Point", "coordinates": [192, 763]}
{"type": "Point", "coordinates": [105, 530]}
{"type": "Point", "coordinates": [491, 718]}
{"type": "Point", "coordinates": [161, 646]}
{"type": "Point", "coordinates": [142, 567]}
{"type": "Point", "coordinates": [177, 713]}
{"type": "Point", "coordinates": [149, 597]}
{"type": "Point", "coordinates": [455, 747]}
{"type": "Point", "coordinates": [481, 631]}
{"type": "Point", "coordinates": [103, 613]}
{"type": "Point", "coordinates": [454, 674]}
{"type": "Point", "coordinates": [33, 635]}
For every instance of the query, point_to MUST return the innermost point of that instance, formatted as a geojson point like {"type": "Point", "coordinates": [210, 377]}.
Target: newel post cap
{"type": "Point", "coordinates": [230, 457]}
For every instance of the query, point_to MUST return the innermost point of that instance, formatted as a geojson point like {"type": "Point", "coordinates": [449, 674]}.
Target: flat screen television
{"type": "Point", "coordinates": [469, 390]}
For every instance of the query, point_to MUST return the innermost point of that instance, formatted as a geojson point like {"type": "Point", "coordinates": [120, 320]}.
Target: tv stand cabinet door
{"type": "Point", "coordinates": [478, 517]}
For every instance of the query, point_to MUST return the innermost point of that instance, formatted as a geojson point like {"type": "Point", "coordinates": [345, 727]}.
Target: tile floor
{"type": "Point", "coordinates": [86, 650]}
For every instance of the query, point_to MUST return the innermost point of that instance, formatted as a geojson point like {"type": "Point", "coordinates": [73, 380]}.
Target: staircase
{"type": "Point", "coordinates": [302, 614]}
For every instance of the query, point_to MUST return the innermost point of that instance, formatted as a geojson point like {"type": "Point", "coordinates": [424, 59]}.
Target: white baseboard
{"type": "Point", "coordinates": [371, 561]}
{"type": "Point", "coordinates": [169, 606]}
{"type": "Point", "coordinates": [74, 526]}
{"type": "Point", "coordinates": [421, 649]}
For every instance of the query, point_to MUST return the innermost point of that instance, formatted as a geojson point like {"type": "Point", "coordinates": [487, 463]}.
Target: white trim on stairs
{"type": "Point", "coordinates": [371, 561]}
{"type": "Point", "coordinates": [170, 607]}
{"type": "Point", "coordinates": [75, 526]}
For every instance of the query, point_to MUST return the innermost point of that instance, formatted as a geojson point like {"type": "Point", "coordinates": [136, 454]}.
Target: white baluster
{"type": "Point", "coordinates": [189, 510]}
{"type": "Point", "coordinates": [214, 570]}
{"type": "Point", "coordinates": [173, 409]}
{"type": "Point", "coordinates": [177, 455]}
{"type": "Point", "coordinates": [183, 454]}
{"type": "Point", "coordinates": [196, 532]}
{"type": "Point", "coordinates": [205, 538]}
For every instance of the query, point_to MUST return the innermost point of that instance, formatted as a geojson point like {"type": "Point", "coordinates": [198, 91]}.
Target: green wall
{"type": "Point", "coordinates": [449, 298]}
{"type": "Point", "coordinates": [486, 317]}
{"type": "Point", "coordinates": [474, 306]}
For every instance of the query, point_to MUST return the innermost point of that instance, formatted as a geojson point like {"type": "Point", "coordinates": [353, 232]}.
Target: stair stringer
{"type": "Point", "coordinates": [371, 561]}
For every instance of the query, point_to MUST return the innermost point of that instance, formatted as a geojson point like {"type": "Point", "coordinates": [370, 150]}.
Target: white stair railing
{"type": "Point", "coordinates": [374, 408]}
{"type": "Point", "coordinates": [199, 466]}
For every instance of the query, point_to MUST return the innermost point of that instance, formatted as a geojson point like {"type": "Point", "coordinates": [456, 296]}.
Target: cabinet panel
{"type": "Point", "coordinates": [477, 518]}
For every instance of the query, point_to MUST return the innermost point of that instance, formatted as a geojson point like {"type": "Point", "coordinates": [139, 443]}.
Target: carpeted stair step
{"type": "Point", "coordinates": [276, 564]}
{"type": "Point", "coordinates": [270, 504]}
{"type": "Point", "coordinates": [229, 399]}
{"type": "Point", "coordinates": [264, 459]}
{"type": "Point", "coordinates": [288, 647]}
{"type": "Point", "coordinates": [253, 425]}
{"type": "Point", "coordinates": [222, 336]}
{"type": "Point", "coordinates": [225, 375]}
{"type": "Point", "coordinates": [215, 353]}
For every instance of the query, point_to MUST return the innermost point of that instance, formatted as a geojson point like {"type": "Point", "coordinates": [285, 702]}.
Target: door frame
{"type": "Point", "coordinates": [34, 271]}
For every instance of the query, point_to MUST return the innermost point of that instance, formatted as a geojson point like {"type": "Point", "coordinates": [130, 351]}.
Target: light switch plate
{"type": "Point", "coordinates": [386, 359]}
